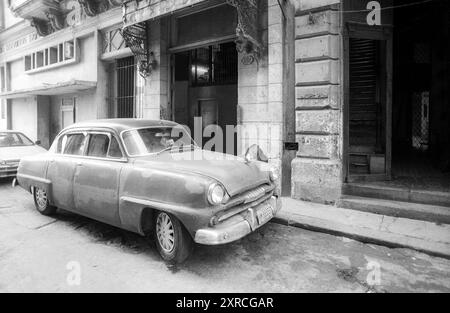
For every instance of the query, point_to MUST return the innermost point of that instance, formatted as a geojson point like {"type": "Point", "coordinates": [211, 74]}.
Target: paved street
{"type": "Point", "coordinates": [37, 254]}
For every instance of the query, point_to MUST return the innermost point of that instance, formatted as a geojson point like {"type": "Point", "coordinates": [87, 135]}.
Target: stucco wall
{"type": "Point", "coordinates": [24, 116]}
{"type": "Point", "coordinates": [85, 70]}
{"type": "Point", "coordinates": [7, 19]}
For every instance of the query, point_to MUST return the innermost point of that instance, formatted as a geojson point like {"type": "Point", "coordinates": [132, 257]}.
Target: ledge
{"type": "Point", "coordinates": [68, 87]}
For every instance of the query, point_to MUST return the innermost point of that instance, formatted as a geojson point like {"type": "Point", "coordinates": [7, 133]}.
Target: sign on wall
{"type": "Point", "coordinates": [17, 43]}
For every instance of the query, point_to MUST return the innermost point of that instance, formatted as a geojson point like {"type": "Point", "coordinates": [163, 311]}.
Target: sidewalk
{"type": "Point", "coordinates": [390, 231]}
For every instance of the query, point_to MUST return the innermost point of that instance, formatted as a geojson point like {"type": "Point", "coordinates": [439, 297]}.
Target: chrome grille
{"type": "Point", "coordinates": [244, 201]}
{"type": "Point", "coordinates": [250, 196]}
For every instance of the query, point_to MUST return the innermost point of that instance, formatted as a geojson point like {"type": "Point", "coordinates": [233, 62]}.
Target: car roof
{"type": "Point", "coordinates": [121, 125]}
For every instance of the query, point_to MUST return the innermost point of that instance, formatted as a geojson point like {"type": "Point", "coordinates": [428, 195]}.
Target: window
{"type": "Point", "coordinates": [125, 72]}
{"type": "Point", "coordinates": [60, 54]}
{"type": "Point", "coordinates": [75, 144]}
{"type": "Point", "coordinates": [61, 143]}
{"type": "Point", "coordinates": [98, 145]}
{"type": "Point", "coordinates": [67, 112]}
{"type": "Point", "coordinates": [14, 140]}
{"type": "Point", "coordinates": [214, 65]}
{"type": "Point", "coordinates": [114, 149]}
{"type": "Point", "coordinates": [155, 140]}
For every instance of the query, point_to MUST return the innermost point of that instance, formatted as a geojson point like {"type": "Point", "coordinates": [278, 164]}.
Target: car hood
{"type": "Point", "coordinates": [17, 153]}
{"type": "Point", "coordinates": [234, 173]}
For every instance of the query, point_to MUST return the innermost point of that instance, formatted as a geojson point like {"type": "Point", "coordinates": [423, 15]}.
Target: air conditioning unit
{"type": "Point", "coordinates": [69, 50]}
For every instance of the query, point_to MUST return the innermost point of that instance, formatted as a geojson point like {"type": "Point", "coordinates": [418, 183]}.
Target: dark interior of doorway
{"type": "Point", "coordinates": [421, 101]}
{"type": "Point", "coordinates": [205, 85]}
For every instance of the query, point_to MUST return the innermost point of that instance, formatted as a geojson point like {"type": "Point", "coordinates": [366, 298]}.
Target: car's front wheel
{"type": "Point", "coordinates": [41, 202]}
{"type": "Point", "coordinates": [172, 240]}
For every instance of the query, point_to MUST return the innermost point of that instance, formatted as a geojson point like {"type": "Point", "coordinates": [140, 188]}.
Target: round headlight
{"type": "Point", "coordinates": [274, 174]}
{"type": "Point", "coordinates": [2, 162]}
{"type": "Point", "coordinates": [216, 194]}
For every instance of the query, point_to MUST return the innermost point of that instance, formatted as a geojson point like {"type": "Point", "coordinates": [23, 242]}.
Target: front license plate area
{"type": "Point", "coordinates": [264, 214]}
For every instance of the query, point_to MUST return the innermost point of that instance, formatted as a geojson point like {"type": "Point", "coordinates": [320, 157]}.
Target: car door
{"type": "Point", "coordinates": [97, 178]}
{"type": "Point", "coordinates": [61, 168]}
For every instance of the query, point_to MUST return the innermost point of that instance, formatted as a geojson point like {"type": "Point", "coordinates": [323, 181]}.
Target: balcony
{"type": "Point", "coordinates": [49, 16]}
{"type": "Point", "coordinates": [138, 11]}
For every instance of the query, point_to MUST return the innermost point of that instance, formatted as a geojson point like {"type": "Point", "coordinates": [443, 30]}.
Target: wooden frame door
{"type": "Point", "coordinates": [367, 84]}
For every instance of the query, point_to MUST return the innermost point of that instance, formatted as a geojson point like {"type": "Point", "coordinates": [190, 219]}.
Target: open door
{"type": "Point", "coordinates": [368, 104]}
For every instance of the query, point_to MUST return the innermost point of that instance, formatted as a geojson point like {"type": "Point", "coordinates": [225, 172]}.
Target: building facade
{"type": "Point", "coordinates": [309, 81]}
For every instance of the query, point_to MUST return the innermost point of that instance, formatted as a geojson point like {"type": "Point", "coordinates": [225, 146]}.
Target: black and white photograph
{"type": "Point", "coordinates": [225, 154]}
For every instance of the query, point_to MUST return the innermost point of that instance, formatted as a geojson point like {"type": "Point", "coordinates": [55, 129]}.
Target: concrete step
{"type": "Point", "coordinates": [397, 194]}
{"type": "Point", "coordinates": [367, 227]}
{"type": "Point", "coordinates": [416, 211]}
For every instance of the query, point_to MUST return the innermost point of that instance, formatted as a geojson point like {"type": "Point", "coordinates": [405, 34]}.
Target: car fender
{"type": "Point", "coordinates": [179, 194]}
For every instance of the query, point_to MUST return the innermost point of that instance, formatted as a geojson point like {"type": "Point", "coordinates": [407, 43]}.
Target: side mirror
{"type": "Point", "coordinates": [38, 142]}
{"type": "Point", "coordinates": [255, 153]}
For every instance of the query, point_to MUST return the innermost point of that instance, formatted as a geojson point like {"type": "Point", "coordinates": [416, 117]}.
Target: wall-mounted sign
{"type": "Point", "coordinates": [17, 43]}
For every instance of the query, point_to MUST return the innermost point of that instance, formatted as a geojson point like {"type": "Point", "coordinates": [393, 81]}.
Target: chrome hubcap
{"type": "Point", "coordinates": [165, 232]}
{"type": "Point", "coordinates": [41, 198]}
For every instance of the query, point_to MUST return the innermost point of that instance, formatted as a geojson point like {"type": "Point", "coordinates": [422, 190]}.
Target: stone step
{"type": "Point", "coordinates": [397, 194]}
{"type": "Point", "coordinates": [416, 211]}
{"type": "Point", "coordinates": [367, 227]}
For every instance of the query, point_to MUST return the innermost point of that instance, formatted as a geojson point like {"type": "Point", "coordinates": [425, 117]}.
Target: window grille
{"type": "Point", "coordinates": [125, 71]}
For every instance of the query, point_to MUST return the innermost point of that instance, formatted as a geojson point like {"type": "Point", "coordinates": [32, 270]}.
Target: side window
{"type": "Point", "coordinates": [114, 149]}
{"type": "Point", "coordinates": [62, 141]}
{"type": "Point", "coordinates": [75, 144]}
{"type": "Point", "coordinates": [98, 145]}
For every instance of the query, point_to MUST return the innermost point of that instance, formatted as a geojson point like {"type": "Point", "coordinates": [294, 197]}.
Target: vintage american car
{"type": "Point", "coordinates": [150, 177]}
{"type": "Point", "coordinates": [14, 146]}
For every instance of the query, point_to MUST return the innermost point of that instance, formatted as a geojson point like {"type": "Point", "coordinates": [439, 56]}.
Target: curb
{"type": "Point", "coordinates": [368, 235]}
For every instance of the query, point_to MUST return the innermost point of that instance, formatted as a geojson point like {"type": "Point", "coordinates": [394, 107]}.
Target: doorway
{"type": "Point", "coordinates": [397, 100]}
{"type": "Point", "coordinates": [205, 93]}
{"type": "Point", "coordinates": [421, 108]}
{"type": "Point", "coordinates": [368, 84]}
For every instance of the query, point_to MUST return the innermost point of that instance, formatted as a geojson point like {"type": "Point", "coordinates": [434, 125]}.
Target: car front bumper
{"type": "Point", "coordinates": [240, 225]}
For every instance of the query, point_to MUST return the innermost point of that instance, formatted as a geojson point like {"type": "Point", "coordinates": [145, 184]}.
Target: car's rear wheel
{"type": "Point", "coordinates": [172, 240]}
{"type": "Point", "coordinates": [41, 202]}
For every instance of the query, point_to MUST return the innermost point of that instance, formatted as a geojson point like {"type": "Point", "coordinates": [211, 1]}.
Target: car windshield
{"type": "Point", "coordinates": [155, 140]}
{"type": "Point", "coordinates": [8, 139]}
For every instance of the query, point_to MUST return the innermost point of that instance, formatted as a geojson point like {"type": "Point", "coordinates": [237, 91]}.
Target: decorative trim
{"type": "Point", "coordinates": [115, 3]}
{"type": "Point", "coordinates": [55, 19]}
{"type": "Point", "coordinates": [42, 27]}
{"type": "Point", "coordinates": [90, 7]}
{"type": "Point", "coordinates": [136, 38]}
{"type": "Point", "coordinates": [95, 7]}
{"type": "Point", "coordinates": [247, 41]}
{"type": "Point", "coordinates": [330, 7]}
{"type": "Point", "coordinates": [372, 32]}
